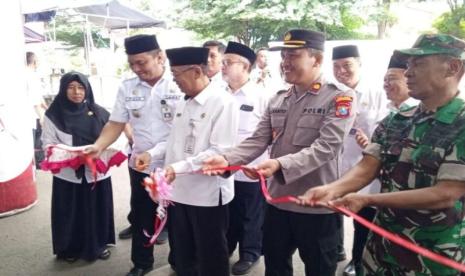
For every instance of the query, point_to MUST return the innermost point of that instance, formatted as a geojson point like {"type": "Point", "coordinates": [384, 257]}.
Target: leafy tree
{"type": "Point", "coordinates": [453, 21]}
{"type": "Point", "coordinates": [255, 22]}
{"type": "Point", "coordinates": [383, 17]}
{"type": "Point", "coordinates": [72, 33]}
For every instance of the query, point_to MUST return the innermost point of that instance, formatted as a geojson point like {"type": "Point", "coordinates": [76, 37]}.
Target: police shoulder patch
{"type": "Point", "coordinates": [343, 106]}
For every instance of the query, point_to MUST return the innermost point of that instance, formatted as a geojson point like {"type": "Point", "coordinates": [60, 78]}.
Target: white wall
{"type": "Point", "coordinates": [16, 149]}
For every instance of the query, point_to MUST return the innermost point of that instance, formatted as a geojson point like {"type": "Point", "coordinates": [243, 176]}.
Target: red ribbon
{"type": "Point", "coordinates": [95, 165]}
{"type": "Point", "coordinates": [373, 227]}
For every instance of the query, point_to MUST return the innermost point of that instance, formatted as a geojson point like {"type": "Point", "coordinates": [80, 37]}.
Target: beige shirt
{"type": "Point", "coordinates": [306, 134]}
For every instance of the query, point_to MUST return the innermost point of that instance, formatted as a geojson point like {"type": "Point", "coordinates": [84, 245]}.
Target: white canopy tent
{"type": "Point", "coordinates": [110, 14]}
{"type": "Point", "coordinates": [107, 14]}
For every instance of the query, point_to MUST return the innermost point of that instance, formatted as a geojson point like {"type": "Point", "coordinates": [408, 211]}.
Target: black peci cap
{"type": "Point", "coordinates": [140, 44]}
{"type": "Point", "coordinates": [187, 56]}
{"type": "Point", "coordinates": [300, 38]}
{"type": "Point", "coordinates": [397, 61]}
{"type": "Point", "coordinates": [242, 50]}
{"type": "Point", "coordinates": [345, 51]}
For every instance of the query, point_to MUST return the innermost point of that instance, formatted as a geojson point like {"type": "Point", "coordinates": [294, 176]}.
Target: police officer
{"type": "Point", "coordinates": [205, 124]}
{"type": "Point", "coordinates": [147, 103]}
{"type": "Point", "coordinates": [418, 155]}
{"type": "Point", "coordinates": [305, 126]}
{"type": "Point", "coordinates": [371, 109]}
{"type": "Point", "coordinates": [247, 208]}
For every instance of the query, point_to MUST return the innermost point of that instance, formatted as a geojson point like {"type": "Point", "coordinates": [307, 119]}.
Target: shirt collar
{"type": "Point", "coordinates": [320, 80]}
{"type": "Point", "coordinates": [206, 93]}
{"type": "Point", "coordinates": [246, 89]}
{"type": "Point", "coordinates": [362, 86]}
{"type": "Point", "coordinates": [449, 112]}
{"type": "Point", "coordinates": [217, 77]}
{"type": "Point", "coordinates": [166, 76]}
{"type": "Point", "coordinates": [410, 102]}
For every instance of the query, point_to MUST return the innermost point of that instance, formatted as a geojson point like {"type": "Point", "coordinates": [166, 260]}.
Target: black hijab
{"type": "Point", "coordinates": [84, 121]}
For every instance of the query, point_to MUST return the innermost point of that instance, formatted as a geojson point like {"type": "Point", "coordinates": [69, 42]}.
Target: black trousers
{"type": "Point", "coordinates": [200, 239]}
{"type": "Point", "coordinates": [246, 213]}
{"type": "Point", "coordinates": [314, 235]}
{"type": "Point", "coordinates": [142, 215]}
{"type": "Point", "coordinates": [361, 234]}
{"type": "Point", "coordinates": [340, 245]}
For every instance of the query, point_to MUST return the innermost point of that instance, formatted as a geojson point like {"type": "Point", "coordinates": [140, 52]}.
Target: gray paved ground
{"type": "Point", "coordinates": [25, 240]}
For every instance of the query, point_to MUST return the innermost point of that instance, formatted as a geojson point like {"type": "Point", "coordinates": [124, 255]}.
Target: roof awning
{"type": "Point", "coordinates": [32, 36]}
{"type": "Point", "coordinates": [110, 14]}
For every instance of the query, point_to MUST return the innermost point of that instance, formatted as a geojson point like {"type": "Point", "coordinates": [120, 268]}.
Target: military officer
{"type": "Point", "coordinates": [418, 155]}
{"type": "Point", "coordinates": [147, 103]}
{"type": "Point", "coordinates": [305, 126]}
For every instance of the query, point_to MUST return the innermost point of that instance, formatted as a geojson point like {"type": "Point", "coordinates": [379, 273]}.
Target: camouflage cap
{"type": "Point", "coordinates": [434, 44]}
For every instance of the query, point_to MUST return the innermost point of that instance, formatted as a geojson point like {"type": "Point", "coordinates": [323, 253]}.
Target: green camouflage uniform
{"type": "Point", "coordinates": [417, 149]}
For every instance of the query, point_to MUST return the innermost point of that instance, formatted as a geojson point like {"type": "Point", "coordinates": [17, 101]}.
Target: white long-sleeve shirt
{"type": "Point", "coordinates": [252, 103]}
{"type": "Point", "coordinates": [371, 109]}
{"type": "Point", "coordinates": [203, 126]}
{"type": "Point", "coordinates": [51, 135]}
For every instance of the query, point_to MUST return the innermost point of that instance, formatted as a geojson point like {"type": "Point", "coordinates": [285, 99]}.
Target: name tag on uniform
{"type": "Point", "coordinates": [190, 144]}
{"type": "Point", "coordinates": [166, 111]}
{"type": "Point", "coordinates": [247, 108]}
{"type": "Point", "coordinates": [135, 99]}
{"type": "Point", "coordinates": [278, 110]}
{"type": "Point", "coordinates": [171, 97]}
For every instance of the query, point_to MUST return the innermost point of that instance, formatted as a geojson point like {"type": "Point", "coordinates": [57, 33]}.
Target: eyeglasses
{"type": "Point", "coordinates": [180, 72]}
{"type": "Point", "coordinates": [229, 62]}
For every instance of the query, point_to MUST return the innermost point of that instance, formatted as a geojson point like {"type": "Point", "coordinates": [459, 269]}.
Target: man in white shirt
{"type": "Point", "coordinates": [35, 94]}
{"type": "Point", "coordinates": [215, 59]}
{"type": "Point", "coordinates": [247, 208]}
{"type": "Point", "coordinates": [205, 124]}
{"type": "Point", "coordinates": [397, 92]}
{"type": "Point", "coordinates": [395, 85]}
{"type": "Point", "coordinates": [147, 103]}
{"type": "Point", "coordinates": [265, 77]}
{"type": "Point", "coordinates": [371, 109]}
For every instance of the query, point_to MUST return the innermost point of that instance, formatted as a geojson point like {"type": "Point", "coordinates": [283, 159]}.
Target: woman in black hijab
{"type": "Point", "coordinates": [82, 216]}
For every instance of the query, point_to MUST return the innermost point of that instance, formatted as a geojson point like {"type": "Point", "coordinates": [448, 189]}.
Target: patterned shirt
{"type": "Point", "coordinates": [418, 149]}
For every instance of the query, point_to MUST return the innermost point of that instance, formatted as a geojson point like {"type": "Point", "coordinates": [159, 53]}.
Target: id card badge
{"type": "Point", "coordinates": [190, 144]}
{"type": "Point", "coordinates": [166, 113]}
